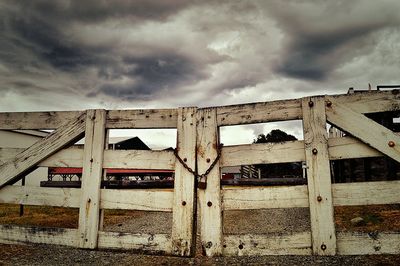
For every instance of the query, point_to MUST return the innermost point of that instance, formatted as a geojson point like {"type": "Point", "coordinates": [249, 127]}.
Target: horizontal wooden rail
{"type": "Point", "coordinates": [145, 118]}
{"type": "Point", "coordinates": [259, 112]}
{"type": "Point", "coordinates": [282, 110]}
{"type": "Point", "coordinates": [368, 243]}
{"type": "Point", "coordinates": [10, 234]}
{"type": "Point", "coordinates": [137, 199]}
{"type": "Point", "coordinates": [348, 243]}
{"type": "Point", "coordinates": [140, 242]}
{"type": "Point", "coordinates": [242, 198]}
{"type": "Point", "coordinates": [346, 194]}
{"type": "Point", "coordinates": [128, 159]}
{"type": "Point", "coordinates": [267, 244]}
{"type": "Point", "coordinates": [36, 120]}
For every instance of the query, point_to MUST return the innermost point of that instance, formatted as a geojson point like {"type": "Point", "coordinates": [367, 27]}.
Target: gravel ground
{"type": "Point", "coordinates": [260, 221]}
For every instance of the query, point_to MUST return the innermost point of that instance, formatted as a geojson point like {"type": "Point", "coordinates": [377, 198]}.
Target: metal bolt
{"type": "Point", "coordinates": [323, 246]}
{"type": "Point", "coordinates": [311, 103]}
{"type": "Point", "coordinates": [391, 144]}
{"type": "Point", "coordinates": [209, 244]}
{"type": "Point", "coordinates": [319, 198]}
{"type": "Point", "coordinates": [329, 103]}
{"type": "Point", "coordinates": [89, 200]}
{"type": "Point", "coordinates": [185, 159]}
{"type": "Point", "coordinates": [91, 160]}
{"type": "Point", "coordinates": [183, 203]}
{"type": "Point", "coordinates": [314, 151]}
{"type": "Point", "coordinates": [209, 204]}
{"type": "Point", "coordinates": [208, 160]}
{"type": "Point", "coordinates": [241, 246]}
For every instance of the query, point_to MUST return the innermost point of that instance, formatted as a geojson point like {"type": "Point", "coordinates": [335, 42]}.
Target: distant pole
{"type": "Point", "coordinates": [21, 207]}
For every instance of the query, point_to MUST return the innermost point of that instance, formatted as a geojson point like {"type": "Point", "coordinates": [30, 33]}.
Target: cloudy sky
{"type": "Point", "coordinates": [73, 55]}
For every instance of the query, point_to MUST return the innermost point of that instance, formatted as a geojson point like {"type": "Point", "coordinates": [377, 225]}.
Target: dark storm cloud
{"type": "Point", "coordinates": [319, 36]}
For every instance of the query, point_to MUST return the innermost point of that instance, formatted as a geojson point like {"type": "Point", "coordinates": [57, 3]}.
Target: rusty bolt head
{"type": "Point", "coordinates": [391, 144]}
{"type": "Point", "coordinates": [209, 204]}
{"type": "Point", "coordinates": [185, 159]}
{"type": "Point", "coordinates": [319, 198]}
{"type": "Point", "coordinates": [323, 246]}
{"type": "Point", "coordinates": [208, 160]}
{"type": "Point", "coordinates": [183, 203]}
{"type": "Point", "coordinates": [311, 103]}
{"type": "Point", "coordinates": [314, 151]}
{"type": "Point", "coordinates": [329, 103]}
{"type": "Point", "coordinates": [241, 246]}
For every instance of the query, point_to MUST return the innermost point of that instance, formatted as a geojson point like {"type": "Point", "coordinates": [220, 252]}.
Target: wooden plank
{"type": "Point", "coordinates": [366, 193]}
{"type": "Point", "coordinates": [209, 198]}
{"type": "Point", "coordinates": [247, 198]}
{"type": "Point", "coordinates": [259, 112]}
{"type": "Point", "coordinates": [139, 159]}
{"type": "Point", "coordinates": [143, 118]}
{"type": "Point", "coordinates": [363, 128]}
{"type": "Point", "coordinates": [349, 148]}
{"type": "Point", "coordinates": [138, 199]}
{"type": "Point", "coordinates": [39, 235]}
{"type": "Point", "coordinates": [59, 197]}
{"type": "Point", "coordinates": [91, 178]}
{"type": "Point", "coordinates": [263, 153]}
{"type": "Point", "coordinates": [25, 161]}
{"type": "Point", "coordinates": [7, 154]}
{"type": "Point", "coordinates": [36, 120]}
{"type": "Point", "coordinates": [271, 244]}
{"type": "Point", "coordinates": [319, 178]}
{"type": "Point", "coordinates": [184, 202]}
{"type": "Point", "coordinates": [70, 157]}
{"type": "Point", "coordinates": [370, 101]}
{"type": "Point", "coordinates": [160, 243]}
{"type": "Point", "coordinates": [364, 243]}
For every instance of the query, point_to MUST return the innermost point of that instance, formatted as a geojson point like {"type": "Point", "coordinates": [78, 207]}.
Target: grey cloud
{"type": "Point", "coordinates": [321, 36]}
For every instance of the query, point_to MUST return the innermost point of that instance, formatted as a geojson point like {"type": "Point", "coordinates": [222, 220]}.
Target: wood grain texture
{"type": "Point", "coordinates": [318, 176]}
{"type": "Point", "coordinates": [209, 199]}
{"type": "Point", "coordinates": [349, 148]}
{"type": "Point", "coordinates": [27, 160]}
{"type": "Point", "coordinates": [59, 197]}
{"type": "Point", "coordinates": [184, 203]}
{"type": "Point", "coordinates": [372, 243]}
{"type": "Point", "coordinates": [36, 120]}
{"type": "Point", "coordinates": [92, 173]}
{"type": "Point", "coordinates": [142, 118]}
{"type": "Point", "coordinates": [139, 159]}
{"type": "Point", "coordinates": [263, 153]}
{"type": "Point", "coordinates": [137, 199]}
{"type": "Point", "coordinates": [271, 244]}
{"type": "Point", "coordinates": [138, 242]}
{"type": "Point", "coordinates": [247, 198]}
{"type": "Point", "coordinates": [366, 193]}
{"type": "Point", "coordinates": [259, 112]}
{"type": "Point", "coordinates": [11, 234]}
{"type": "Point", "coordinates": [363, 128]}
{"type": "Point", "coordinates": [370, 101]}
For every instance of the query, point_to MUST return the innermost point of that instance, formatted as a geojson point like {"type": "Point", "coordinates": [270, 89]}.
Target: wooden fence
{"type": "Point", "coordinates": [197, 145]}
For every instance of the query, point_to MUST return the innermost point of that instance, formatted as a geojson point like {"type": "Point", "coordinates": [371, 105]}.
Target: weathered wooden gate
{"type": "Point", "coordinates": [197, 145]}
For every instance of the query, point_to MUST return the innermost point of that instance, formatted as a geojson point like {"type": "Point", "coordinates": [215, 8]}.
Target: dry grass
{"type": "Point", "coordinates": [46, 216]}
{"type": "Point", "coordinates": [376, 217]}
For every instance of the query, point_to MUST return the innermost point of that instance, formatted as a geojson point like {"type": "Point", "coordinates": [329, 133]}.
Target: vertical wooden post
{"type": "Point", "coordinates": [318, 176]}
{"type": "Point", "coordinates": [210, 198]}
{"type": "Point", "coordinates": [91, 178]}
{"type": "Point", "coordinates": [183, 221]}
{"type": "Point", "coordinates": [106, 142]}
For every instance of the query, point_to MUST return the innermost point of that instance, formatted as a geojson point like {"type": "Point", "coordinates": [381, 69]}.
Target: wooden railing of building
{"type": "Point", "coordinates": [197, 139]}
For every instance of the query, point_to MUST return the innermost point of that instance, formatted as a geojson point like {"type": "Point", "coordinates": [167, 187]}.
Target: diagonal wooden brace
{"type": "Point", "coordinates": [24, 162]}
{"type": "Point", "coordinates": [363, 128]}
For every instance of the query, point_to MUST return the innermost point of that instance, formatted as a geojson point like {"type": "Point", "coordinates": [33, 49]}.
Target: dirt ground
{"type": "Point", "coordinates": [382, 217]}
